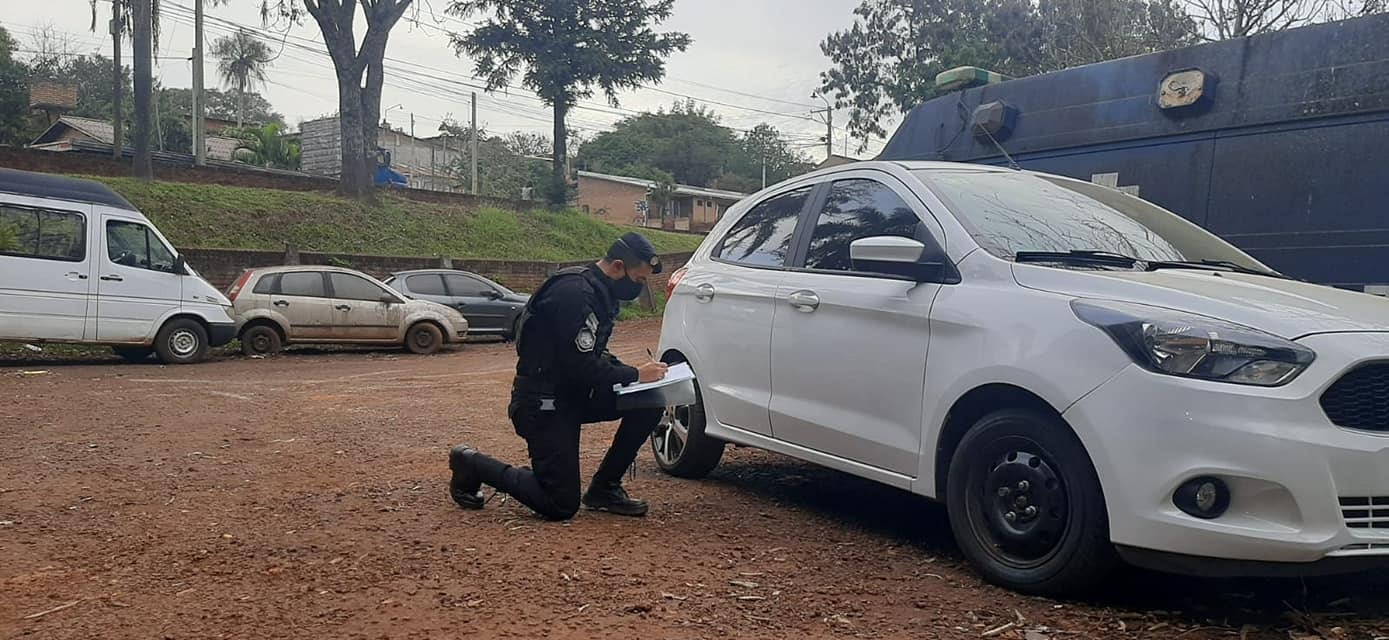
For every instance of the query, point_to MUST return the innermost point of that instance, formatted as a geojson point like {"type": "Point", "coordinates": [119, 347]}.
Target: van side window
{"type": "Point", "coordinates": [39, 233]}
{"type": "Point", "coordinates": [762, 237]}
{"type": "Point", "coordinates": [131, 244]}
{"type": "Point", "coordinates": [856, 208]}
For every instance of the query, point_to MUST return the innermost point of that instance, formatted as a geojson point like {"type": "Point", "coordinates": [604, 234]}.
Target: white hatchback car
{"type": "Point", "coordinates": [1081, 376]}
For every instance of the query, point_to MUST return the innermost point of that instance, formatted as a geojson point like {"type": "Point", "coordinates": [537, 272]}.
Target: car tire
{"type": "Point", "coordinates": [1029, 464]}
{"type": "Point", "coordinates": [260, 340]}
{"type": "Point", "coordinates": [181, 341]}
{"type": "Point", "coordinates": [134, 354]}
{"type": "Point", "coordinates": [423, 338]}
{"type": "Point", "coordinates": [690, 454]}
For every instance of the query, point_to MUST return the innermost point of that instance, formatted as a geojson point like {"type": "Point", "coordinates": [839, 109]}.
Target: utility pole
{"type": "Point", "coordinates": [472, 144]}
{"type": "Point", "coordinates": [199, 146]}
{"type": "Point", "coordinates": [412, 124]}
{"type": "Point", "coordinates": [116, 140]}
{"type": "Point", "coordinates": [764, 170]}
{"type": "Point", "coordinates": [829, 125]}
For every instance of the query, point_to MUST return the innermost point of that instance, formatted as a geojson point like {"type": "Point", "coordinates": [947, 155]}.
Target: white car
{"type": "Point", "coordinates": [1079, 375]}
{"type": "Point", "coordinates": [278, 306]}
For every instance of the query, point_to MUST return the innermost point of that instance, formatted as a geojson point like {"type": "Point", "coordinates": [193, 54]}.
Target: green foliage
{"type": "Point", "coordinates": [503, 171]}
{"type": "Point", "coordinates": [887, 61]}
{"type": "Point", "coordinates": [222, 105]}
{"type": "Point", "coordinates": [266, 146]}
{"type": "Point", "coordinates": [14, 93]}
{"type": "Point", "coordinates": [637, 308]}
{"type": "Point", "coordinates": [241, 61]}
{"type": "Point", "coordinates": [9, 236]}
{"type": "Point", "coordinates": [202, 215]}
{"type": "Point", "coordinates": [564, 49]}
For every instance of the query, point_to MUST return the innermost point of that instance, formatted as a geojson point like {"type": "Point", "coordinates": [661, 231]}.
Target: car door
{"type": "Point", "coordinates": [45, 271]}
{"type": "Point", "coordinates": [358, 311]}
{"type": "Point", "coordinates": [479, 301]}
{"type": "Point", "coordinates": [731, 318]}
{"type": "Point", "coordinates": [848, 357]}
{"type": "Point", "coordinates": [136, 282]}
{"type": "Point", "coordinates": [302, 298]}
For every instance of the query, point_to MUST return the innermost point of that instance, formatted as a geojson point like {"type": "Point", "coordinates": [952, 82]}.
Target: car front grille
{"type": "Point", "coordinates": [1360, 399]}
{"type": "Point", "coordinates": [1366, 512]}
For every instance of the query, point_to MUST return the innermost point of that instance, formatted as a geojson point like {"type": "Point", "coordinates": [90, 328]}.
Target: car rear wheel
{"type": "Point", "coordinates": [260, 340]}
{"type": "Point", "coordinates": [181, 341]}
{"type": "Point", "coordinates": [424, 338]}
{"type": "Point", "coordinates": [1026, 507]}
{"type": "Point", "coordinates": [679, 444]}
{"type": "Point", "coordinates": [134, 354]}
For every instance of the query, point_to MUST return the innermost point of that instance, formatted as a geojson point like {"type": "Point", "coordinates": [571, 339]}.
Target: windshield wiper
{"type": "Point", "coordinates": [1078, 256]}
{"type": "Point", "coordinates": [1207, 264]}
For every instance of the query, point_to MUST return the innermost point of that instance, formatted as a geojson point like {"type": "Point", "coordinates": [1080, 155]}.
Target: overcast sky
{"type": "Point", "coordinates": [751, 61]}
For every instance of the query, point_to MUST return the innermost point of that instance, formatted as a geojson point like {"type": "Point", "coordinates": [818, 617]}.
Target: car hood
{"type": "Point", "coordinates": [1287, 308]}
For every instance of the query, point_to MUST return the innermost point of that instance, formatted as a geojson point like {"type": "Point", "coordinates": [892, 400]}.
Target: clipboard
{"type": "Point", "coordinates": [675, 390]}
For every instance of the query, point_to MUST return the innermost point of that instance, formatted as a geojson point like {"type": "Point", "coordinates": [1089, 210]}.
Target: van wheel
{"type": "Point", "coordinates": [1026, 507]}
{"type": "Point", "coordinates": [133, 354]}
{"type": "Point", "coordinates": [424, 338]}
{"type": "Point", "coordinates": [260, 340]}
{"type": "Point", "coordinates": [181, 341]}
{"type": "Point", "coordinates": [679, 444]}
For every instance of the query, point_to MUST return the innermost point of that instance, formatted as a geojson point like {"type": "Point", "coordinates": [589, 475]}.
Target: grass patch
{"type": "Point", "coordinates": [216, 216]}
{"type": "Point", "coordinates": [634, 310]}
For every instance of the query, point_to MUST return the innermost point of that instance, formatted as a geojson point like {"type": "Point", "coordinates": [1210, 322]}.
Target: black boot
{"type": "Point", "coordinates": [465, 486]}
{"type": "Point", "coordinates": [611, 497]}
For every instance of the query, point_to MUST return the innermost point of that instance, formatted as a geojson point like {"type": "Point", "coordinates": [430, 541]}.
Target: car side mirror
{"type": "Point", "coordinates": [905, 257]}
{"type": "Point", "coordinates": [492, 294]}
{"type": "Point", "coordinates": [181, 266]}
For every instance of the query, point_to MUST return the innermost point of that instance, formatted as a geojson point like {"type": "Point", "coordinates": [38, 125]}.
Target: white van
{"type": "Point", "coordinates": [79, 264]}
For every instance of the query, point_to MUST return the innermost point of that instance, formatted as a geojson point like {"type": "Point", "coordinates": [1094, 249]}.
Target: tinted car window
{"type": "Point", "coordinates": [32, 233]}
{"type": "Point", "coordinates": [131, 244]}
{"type": "Point", "coordinates": [350, 287]}
{"type": "Point", "coordinates": [427, 285]}
{"type": "Point", "coordinates": [856, 208]}
{"type": "Point", "coordinates": [461, 285]}
{"type": "Point", "coordinates": [268, 285]}
{"type": "Point", "coordinates": [302, 283]}
{"type": "Point", "coordinates": [762, 237]}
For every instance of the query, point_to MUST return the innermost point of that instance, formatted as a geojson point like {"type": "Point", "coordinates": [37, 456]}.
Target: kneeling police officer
{"type": "Point", "coordinates": [564, 379]}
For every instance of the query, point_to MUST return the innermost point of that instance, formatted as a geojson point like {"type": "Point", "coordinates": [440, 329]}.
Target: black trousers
{"type": "Point", "coordinates": [551, 486]}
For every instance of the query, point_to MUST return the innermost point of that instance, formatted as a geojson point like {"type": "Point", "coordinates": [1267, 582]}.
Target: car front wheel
{"type": "Point", "coordinates": [1026, 507]}
{"type": "Point", "coordinates": [424, 338]}
{"type": "Point", "coordinates": [679, 444]}
{"type": "Point", "coordinates": [181, 341]}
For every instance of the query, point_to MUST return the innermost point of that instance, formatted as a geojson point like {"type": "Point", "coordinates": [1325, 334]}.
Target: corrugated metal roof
{"type": "Point", "coordinates": [680, 189]}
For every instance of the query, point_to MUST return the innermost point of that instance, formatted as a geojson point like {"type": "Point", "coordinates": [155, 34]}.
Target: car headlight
{"type": "Point", "coordinates": [1193, 346]}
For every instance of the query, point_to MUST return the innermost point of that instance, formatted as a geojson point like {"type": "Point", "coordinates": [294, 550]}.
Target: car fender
{"type": "Point", "coordinates": [447, 324]}
{"type": "Point", "coordinates": [209, 314]}
{"type": "Point", "coordinates": [257, 313]}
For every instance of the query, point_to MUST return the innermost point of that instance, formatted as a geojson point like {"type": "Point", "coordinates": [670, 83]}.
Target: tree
{"type": "Point", "coordinates": [140, 20]}
{"type": "Point", "coordinates": [762, 146]}
{"type": "Point", "coordinates": [687, 142]}
{"type": "Point", "coordinates": [266, 146]}
{"type": "Point", "coordinates": [223, 105]}
{"type": "Point", "coordinates": [241, 62]}
{"type": "Point", "coordinates": [1225, 19]}
{"type": "Point", "coordinates": [503, 168]}
{"type": "Point", "coordinates": [563, 49]}
{"type": "Point", "coordinates": [359, 102]}
{"type": "Point", "coordinates": [14, 93]}
{"type": "Point", "coordinates": [886, 62]}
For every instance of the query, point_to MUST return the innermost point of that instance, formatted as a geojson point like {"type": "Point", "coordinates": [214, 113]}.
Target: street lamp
{"type": "Point", "coordinates": [385, 116]}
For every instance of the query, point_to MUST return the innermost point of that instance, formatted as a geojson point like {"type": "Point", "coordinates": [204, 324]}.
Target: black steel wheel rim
{"type": "Point", "coordinates": [260, 341]}
{"type": "Point", "coordinates": [1017, 502]}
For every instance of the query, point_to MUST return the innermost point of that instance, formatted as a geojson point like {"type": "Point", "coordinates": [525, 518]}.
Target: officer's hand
{"type": "Point", "coordinates": [651, 372]}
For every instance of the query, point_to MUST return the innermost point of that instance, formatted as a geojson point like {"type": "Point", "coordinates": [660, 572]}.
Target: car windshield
{"type": "Point", "coordinates": [1011, 213]}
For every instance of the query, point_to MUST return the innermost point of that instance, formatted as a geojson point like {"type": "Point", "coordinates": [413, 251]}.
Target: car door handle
{"type": "Point", "coordinates": [804, 301]}
{"type": "Point", "coordinates": [343, 307]}
{"type": "Point", "coordinates": [281, 303]}
{"type": "Point", "coordinates": [113, 278]}
{"type": "Point", "coordinates": [704, 292]}
{"type": "Point", "coordinates": [74, 274]}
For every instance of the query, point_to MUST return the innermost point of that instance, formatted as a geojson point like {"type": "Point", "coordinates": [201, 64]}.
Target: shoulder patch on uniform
{"type": "Point", "coordinates": [585, 341]}
{"type": "Point", "coordinates": [591, 322]}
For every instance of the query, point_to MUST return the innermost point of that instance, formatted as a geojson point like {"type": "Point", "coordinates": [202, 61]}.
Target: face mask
{"type": "Point", "coordinates": [626, 288]}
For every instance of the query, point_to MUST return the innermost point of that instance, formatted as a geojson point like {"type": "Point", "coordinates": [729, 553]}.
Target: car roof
{"type": "Point", "coordinates": [47, 185]}
{"type": "Point", "coordinates": [412, 272]}
{"type": "Point", "coordinates": [307, 267]}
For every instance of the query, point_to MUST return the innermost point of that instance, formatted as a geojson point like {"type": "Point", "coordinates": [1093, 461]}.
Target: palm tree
{"type": "Point", "coordinates": [267, 147]}
{"type": "Point", "coordinates": [241, 62]}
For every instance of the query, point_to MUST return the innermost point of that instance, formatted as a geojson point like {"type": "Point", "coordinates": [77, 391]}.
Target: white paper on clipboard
{"type": "Point", "coordinates": [676, 374]}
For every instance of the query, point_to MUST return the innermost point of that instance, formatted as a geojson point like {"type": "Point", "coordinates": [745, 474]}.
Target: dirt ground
{"type": "Point", "coordinates": [305, 497]}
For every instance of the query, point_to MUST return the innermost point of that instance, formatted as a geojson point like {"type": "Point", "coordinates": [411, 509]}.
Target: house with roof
{"type": "Point", "coordinates": [67, 130]}
{"type": "Point", "coordinates": [626, 200]}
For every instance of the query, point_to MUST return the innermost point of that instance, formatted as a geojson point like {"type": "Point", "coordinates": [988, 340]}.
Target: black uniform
{"type": "Point", "coordinates": [564, 379]}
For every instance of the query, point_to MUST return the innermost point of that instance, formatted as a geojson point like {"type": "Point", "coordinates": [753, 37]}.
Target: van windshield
{"type": "Point", "coordinates": [1010, 213]}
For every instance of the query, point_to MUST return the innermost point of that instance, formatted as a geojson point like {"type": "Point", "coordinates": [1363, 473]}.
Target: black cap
{"type": "Point", "coordinates": [632, 248]}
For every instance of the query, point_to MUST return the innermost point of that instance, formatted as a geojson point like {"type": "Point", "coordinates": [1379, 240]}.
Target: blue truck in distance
{"type": "Point", "coordinates": [1278, 143]}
